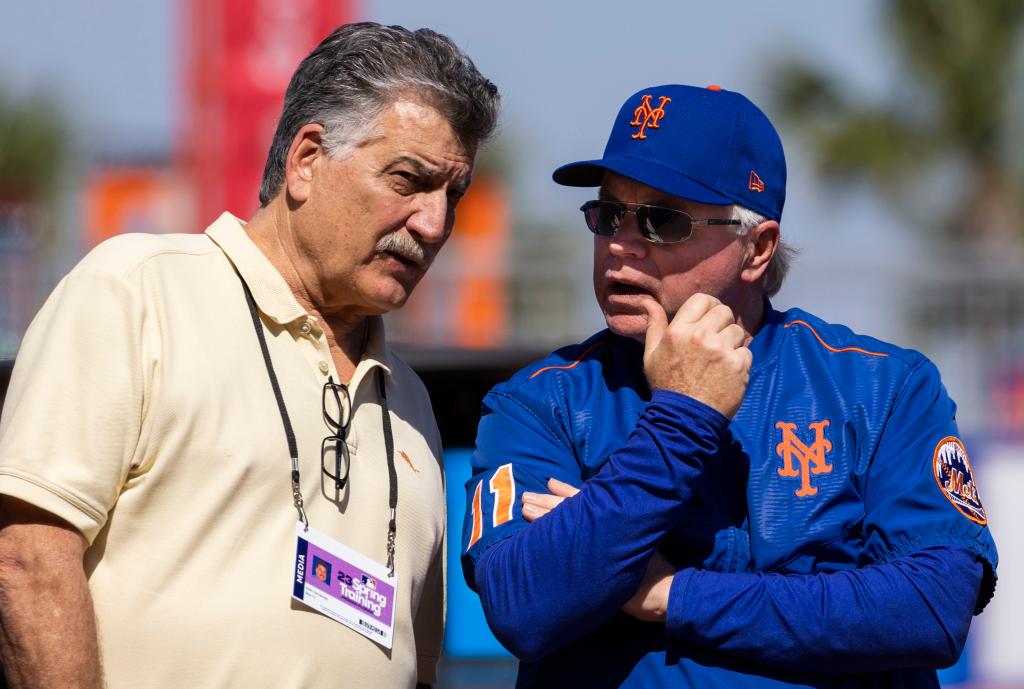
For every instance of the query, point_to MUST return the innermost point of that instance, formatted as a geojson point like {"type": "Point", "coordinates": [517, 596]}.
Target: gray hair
{"type": "Point", "coordinates": [784, 253]}
{"type": "Point", "coordinates": [358, 71]}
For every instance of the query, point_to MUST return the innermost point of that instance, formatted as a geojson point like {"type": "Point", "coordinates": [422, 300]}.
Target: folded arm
{"type": "Point", "coordinates": [546, 583]}
{"type": "Point", "coordinates": [912, 612]}
{"type": "Point", "coordinates": [559, 577]}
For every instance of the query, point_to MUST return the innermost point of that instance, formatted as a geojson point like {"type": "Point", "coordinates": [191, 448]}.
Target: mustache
{"type": "Point", "coordinates": [406, 247]}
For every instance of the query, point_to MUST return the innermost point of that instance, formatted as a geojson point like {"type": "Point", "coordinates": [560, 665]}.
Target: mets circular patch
{"type": "Point", "coordinates": [953, 473]}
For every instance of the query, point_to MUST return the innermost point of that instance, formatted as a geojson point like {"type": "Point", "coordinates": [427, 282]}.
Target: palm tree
{"type": "Point", "coordinates": [949, 138]}
{"type": "Point", "coordinates": [946, 148]}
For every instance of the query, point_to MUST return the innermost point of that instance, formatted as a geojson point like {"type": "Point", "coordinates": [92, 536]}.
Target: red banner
{"type": "Point", "coordinates": [240, 55]}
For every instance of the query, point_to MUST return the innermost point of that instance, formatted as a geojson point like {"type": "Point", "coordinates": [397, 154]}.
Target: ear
{"type": "Point", "coordinates": [305, 150]}
{"type": "Point", "coordinates": [762, 242]}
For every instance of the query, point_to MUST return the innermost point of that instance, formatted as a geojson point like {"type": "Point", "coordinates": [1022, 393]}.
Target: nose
{"type": "Point", "coordinates": [433, 217]}
{"type": "Point", "coordinates": [627, 240]}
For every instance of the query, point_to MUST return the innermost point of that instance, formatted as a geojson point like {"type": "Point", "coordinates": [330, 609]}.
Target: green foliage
{"type": "Point", "coordinates": [952, 109]}
{"type": "Point", "coordinates": [964, 53]}
{"type": "Point", "coordinates": [33, 143]}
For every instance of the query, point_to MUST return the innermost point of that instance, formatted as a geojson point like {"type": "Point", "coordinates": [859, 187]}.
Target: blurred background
{"type": "Point", "coordinates": [903, 122]}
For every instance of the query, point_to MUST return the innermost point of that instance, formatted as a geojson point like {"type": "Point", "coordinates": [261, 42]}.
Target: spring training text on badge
{"type": "Point", "coordinates": [362, 595]}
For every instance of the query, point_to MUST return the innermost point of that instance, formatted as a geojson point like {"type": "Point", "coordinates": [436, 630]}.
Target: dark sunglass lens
{"type": "Point", "coordinates": [602, 218]}
{"type": "Point", "coordinates": [610, 219]}
{"type": "Point", "coordinates": [667, 225]}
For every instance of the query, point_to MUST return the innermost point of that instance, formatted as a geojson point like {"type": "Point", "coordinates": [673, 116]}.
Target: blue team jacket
{"type": "Point", "coordinates": [843, 456]}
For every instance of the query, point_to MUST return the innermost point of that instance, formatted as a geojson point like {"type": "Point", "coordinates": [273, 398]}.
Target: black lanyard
{"type": "Point", "coordinates": [293, 451]}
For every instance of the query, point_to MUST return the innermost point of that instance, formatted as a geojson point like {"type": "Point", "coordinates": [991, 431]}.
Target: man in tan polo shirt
{"type": "Point", "coordinates": [195, 420]}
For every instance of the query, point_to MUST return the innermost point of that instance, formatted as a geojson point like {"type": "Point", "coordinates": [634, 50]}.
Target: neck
{"type": "Point", "coordinates": [346, 333]}
{"type": "Point", "coordinates": [749, 313]}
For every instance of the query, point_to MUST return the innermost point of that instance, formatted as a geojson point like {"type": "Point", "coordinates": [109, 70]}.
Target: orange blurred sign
{"type": "Point", "coordinates": [139, 199]}
{"type": "Point", "coordinates": [462, 302]}
{"type": "Point", "coordinates": [480, 235]}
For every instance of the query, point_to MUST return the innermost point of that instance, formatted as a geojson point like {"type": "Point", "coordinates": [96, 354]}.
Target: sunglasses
{"type": "Point", "coordinates": [657, 225]}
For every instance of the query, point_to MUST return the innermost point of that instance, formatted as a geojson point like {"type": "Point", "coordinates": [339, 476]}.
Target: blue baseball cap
{"type": "Point", "coordinates": [706, 145]}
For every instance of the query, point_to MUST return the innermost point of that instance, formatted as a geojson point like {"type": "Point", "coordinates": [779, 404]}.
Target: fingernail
{"type": "Point", "coordinates": [530, 511]}
{"type": "Point", "coordinates": [529, 498]}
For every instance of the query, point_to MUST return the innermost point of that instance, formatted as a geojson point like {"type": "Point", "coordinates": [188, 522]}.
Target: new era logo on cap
{"type": "Point", "coordinates": [712, 146]}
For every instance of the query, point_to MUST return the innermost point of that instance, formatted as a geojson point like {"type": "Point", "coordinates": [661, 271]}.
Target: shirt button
{"type": "Point", "coordinates": [324, 368]}
{"type": "Point", "coordinates": [305, 328]}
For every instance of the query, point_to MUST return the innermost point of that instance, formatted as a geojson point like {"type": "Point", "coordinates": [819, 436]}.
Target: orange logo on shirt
{"type": "Point", "coordinates": [645, 116]}
{"type": "Point", "coordinates": [755, 183]}
{"type": "Point", "coordinates": [408, 461]}
{"type": "Point", "coordinates": [809, 459]}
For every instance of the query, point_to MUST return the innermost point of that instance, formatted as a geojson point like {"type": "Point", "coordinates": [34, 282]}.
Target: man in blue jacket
{"type": "Point", "coordinates": [712, 492]}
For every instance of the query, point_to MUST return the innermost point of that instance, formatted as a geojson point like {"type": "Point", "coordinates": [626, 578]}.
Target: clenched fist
{"type": "Point", "coordinates": [701, 353]}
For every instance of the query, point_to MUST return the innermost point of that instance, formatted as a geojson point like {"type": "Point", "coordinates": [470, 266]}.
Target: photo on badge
{"type": "Point", "coordinates": [322, 570]}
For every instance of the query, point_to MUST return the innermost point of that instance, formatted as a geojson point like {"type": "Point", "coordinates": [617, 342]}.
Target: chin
{"type": "Point", "coordinates": [628, 325]}
{"type": "Point", "coordinates": [391, 304]}
{"type": "Point", "coordinates": [387, 296]}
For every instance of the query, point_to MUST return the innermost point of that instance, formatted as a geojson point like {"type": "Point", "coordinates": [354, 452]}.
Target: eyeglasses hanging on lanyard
{"type": "Point", "coordinates": [337, 411]}
{"type": "Point", "coordinates": [337, 440]}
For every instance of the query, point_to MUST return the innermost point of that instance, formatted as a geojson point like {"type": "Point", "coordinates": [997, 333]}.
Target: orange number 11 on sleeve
{"type": "Point", "coordinates": [503, 486]}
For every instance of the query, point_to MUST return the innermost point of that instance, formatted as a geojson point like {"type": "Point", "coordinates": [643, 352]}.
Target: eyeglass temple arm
{"type": "Point", "coordinates": [716, 221]}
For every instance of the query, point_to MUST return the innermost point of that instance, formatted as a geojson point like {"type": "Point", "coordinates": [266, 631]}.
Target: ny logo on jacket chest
{"type": "Point", "coordinates": [802, 460]}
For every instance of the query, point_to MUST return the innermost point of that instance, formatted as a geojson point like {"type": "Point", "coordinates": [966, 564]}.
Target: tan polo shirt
{"type": "Point", "coordinates": [141, 412]}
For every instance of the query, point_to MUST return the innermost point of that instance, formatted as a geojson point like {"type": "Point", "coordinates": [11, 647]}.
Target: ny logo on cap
{"type": "Point", "coordinates": [645, 116]}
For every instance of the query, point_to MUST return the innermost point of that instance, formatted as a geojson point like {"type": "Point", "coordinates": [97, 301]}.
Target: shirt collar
{"type": "Point", "coordinates": [768, 338]}
{"type": "Point", "coordinates": [375, 354]}
{"type": "Point", "coordinates": [275, 299]}
{"type": "Point", "coordinates": [272, 294]}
